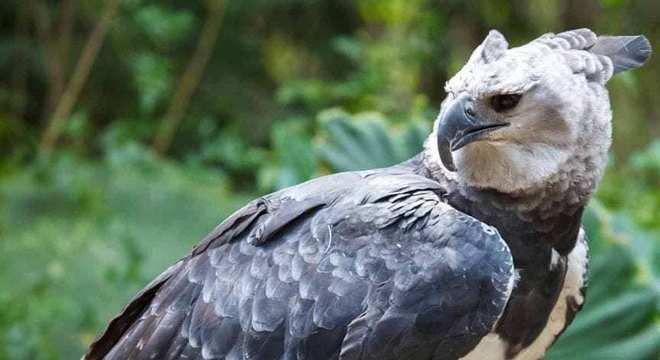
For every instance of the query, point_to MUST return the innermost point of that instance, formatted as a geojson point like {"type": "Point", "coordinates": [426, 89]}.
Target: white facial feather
{"type": "Point", "coordinates": [562, 121]}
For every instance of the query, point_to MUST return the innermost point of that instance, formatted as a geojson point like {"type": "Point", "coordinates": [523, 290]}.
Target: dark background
{"type": "Point", "coordinates": [129, 128]}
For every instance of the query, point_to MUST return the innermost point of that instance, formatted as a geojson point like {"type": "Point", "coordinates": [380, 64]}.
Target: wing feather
{"type": "Point", "coordinates": [352, 266]}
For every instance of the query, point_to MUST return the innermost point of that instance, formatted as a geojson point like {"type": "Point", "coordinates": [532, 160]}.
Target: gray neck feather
{"type": "Point", "coordinates": [546, 214]}
{"type": "Point", "coordinates": [573, 184]}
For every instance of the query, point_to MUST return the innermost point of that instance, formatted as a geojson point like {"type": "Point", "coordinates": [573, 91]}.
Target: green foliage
{"type": "Point", "coordinates": [163, 26]}
{"type": "Point", "coordinates": [80, 238]}
{"type": "Point", "coordinates": [153, 79]}
{"type": "Point", "coordinates": [364, 141]}
{"type": "Point", "coordinates": [293, 160]}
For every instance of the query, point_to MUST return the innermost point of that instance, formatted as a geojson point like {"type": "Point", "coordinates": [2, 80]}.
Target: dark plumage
{"type": "Point", "coordinates": [371, 265]}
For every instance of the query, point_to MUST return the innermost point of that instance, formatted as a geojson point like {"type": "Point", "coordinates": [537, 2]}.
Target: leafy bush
{"type": "Point", "coordinates": [80, 238]}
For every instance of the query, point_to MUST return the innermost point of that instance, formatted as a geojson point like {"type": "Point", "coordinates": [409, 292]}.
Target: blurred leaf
{"type": "Point", "coordinates": [153, 78]}
{"type": "Point", "coordinates": [164, 26]}
{"type": "Point", "coordinates": [364, 141]}
{"type": "Point", "coordinates": [294, 160]}
{"type": "Point", "coordinates": [76, 246]}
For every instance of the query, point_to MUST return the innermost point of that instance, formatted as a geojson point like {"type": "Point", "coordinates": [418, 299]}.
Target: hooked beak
{"type": "Point", "coordinates": [458, 126]}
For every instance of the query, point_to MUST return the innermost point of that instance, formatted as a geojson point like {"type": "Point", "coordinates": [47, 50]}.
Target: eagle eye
{"type": "Point", "coordinates": [504, 102]}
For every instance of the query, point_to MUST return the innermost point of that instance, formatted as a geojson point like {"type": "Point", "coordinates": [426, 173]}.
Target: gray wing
{"type": "Point", "coordinates": [369, 265]}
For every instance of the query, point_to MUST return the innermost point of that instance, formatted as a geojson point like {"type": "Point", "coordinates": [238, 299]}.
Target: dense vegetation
{"type": "Point", "coordinates": [129, 128]}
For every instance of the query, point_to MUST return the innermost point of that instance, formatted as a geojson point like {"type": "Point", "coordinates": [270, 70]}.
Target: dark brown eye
{"type": "Point", "coordinates": [504, 102]}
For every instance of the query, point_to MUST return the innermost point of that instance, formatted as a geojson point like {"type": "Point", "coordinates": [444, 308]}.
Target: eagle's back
{"type": "Point", "coordinates": [356, 265]}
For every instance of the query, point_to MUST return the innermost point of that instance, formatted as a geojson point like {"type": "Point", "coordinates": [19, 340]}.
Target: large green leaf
{"type": "Point", "coordinates": [365, 141]}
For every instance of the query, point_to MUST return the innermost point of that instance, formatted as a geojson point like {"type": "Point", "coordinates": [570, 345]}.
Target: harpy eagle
{"type": "Point", "coordinates": [471, 250]}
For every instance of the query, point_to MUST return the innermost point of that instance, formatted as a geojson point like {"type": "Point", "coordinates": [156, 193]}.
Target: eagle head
{"type": "Point", "coordinates": [514, 118]}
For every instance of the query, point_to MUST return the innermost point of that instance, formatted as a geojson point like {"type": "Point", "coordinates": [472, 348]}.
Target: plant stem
{"type": "Point", "coordinates": [80, 74]}
{"type": "Point", "coordinates": [190, 78]}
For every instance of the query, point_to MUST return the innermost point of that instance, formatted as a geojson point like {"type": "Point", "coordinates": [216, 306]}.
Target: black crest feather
{"type": "Point", "coordinates": [626, 52]}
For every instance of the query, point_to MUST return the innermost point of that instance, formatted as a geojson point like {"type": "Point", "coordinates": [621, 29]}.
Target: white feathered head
{"type": "Point", "coordinates": [515, 118]}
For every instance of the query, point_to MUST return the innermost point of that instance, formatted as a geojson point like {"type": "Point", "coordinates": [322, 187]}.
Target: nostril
{"type": "Point", "coordinates": [469, 111]}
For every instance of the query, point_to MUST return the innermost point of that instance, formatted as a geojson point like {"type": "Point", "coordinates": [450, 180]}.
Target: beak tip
{"type": "Point", "coordinates": [444, 151]}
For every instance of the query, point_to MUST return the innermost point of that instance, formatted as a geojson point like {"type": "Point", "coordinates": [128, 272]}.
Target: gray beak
{"type": "Point", "coordinates": [459, 126]}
